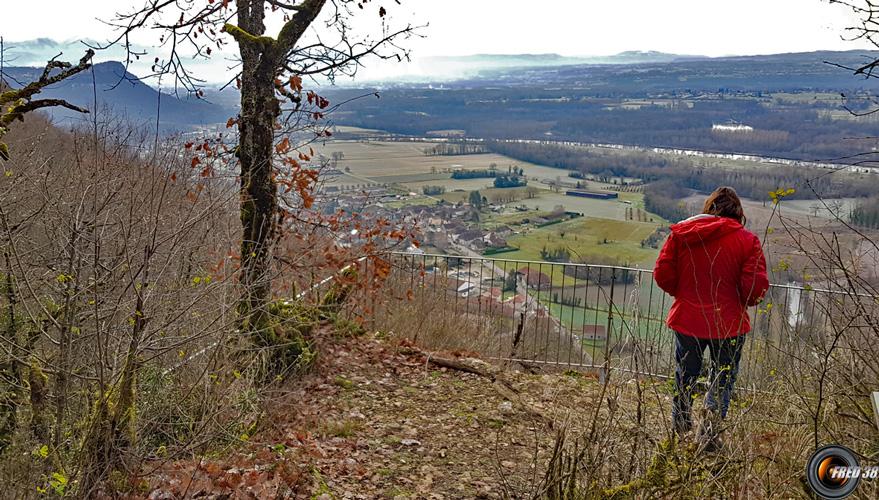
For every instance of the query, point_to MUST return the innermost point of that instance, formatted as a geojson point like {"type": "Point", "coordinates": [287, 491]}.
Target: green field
{"type": "Point", "coordinates": [589, 238]}
{"type": "Point", "coordinates": [605, 209]}
{"type": "Point", "coordinates": [604, 235]}
{"type": "Point", "coordinates": [390, 158]}
{"type": "Point", "coordinates": [404, 165]}
{"type": "Point", "coordinates": [487, 192]}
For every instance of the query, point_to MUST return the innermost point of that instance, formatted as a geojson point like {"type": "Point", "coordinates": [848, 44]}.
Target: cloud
{"type": "Point", "coordinates": [39, 50]}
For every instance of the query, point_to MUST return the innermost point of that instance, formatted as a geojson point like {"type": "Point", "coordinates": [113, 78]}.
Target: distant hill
{"type": "Point", "coordinates": [123, 93]}
{"type": "Point", "coordinates": [485, 64]}
{"type": "Point", "coordinates": [793, 103]}
{"type": "Point", "coordinates": [642, 56]}
{"type": "Point", "coordinates": [648, 73]}
{"type": "Point", "coordinates": [488, 61]}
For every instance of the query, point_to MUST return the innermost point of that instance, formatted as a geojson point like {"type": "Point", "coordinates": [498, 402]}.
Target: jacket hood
{"type": "Point", "coordinates": [703, 228]}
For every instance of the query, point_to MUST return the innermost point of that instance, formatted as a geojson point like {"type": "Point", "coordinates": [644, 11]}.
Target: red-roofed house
{"type": "Point", "coordinates": [594, 332]}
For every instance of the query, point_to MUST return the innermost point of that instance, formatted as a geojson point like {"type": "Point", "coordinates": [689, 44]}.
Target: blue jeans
{"type": "Point", "coordinates": [725, 356]}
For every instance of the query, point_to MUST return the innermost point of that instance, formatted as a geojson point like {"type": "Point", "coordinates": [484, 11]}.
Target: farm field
{"type": "Point", "coordinates": [762, 213]}
{"type": "Point", "coordinates": [815, 208]}
{"type": "Point", "coordinates": [592, 239]}
{"type": "Point", "coordinates": [405, 164]}
{"type": "Point", "coordinates": [399, 160]}
{"type": "Point", "coordinates": [605, 209]}
{"type": "Point", "coordinates": [452, 185]}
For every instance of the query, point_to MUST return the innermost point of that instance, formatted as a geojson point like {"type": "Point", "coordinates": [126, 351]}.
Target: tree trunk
{"type": "Point", "coordinates": [111, 431]}
{"type": "Point", "coordinates": [10, 372]}
{"type": "Point", "coordinates": [259, 110]}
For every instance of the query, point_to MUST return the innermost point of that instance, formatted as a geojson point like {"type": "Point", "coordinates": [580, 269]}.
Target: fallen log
{"type": "Point", "coordinates": [495, 374]}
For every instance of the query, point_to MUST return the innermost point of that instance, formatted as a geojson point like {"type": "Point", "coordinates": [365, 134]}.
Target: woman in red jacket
{"type": "Point", "coordinates": [715, 269]}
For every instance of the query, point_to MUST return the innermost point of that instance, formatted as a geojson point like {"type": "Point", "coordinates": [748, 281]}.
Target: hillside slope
{"type": "Point", "coordinates": [378, 419]}
{"type": "Point", "coordinates": [122, 92]}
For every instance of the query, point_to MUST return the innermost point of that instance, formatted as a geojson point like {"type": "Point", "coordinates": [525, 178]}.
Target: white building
{"type": "Point", "coordinates": [732, 127]}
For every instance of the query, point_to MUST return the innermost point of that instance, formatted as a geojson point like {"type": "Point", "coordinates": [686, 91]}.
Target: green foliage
{"type": "Point", "coordinates": [283, 342]}
{"type": "Point", "coordinates": [558, 254]}
{"type": "Point", "coordinates": [475, 199]}
{"type": "Point", "coordinates": [173, 410]}
{"type": "Point", "coordinates": [663, 199]}
{"type": "Point", "coordinates": [339, 291]}
{"type": "Point", "coordinates": [343, 382]}
{"type": "Point", "coordinates": [433, 190]}
{"type": "Point", "coordinates": [347, 328]}
{"type": "Point", "coordinates": [473, 174]}
{"type": "Point", "coordinates": [58, 483]}
{"type": "Point", "coordinates": [495, 251]}
{"type": "Point", "coordinates": [510, 282]}
{"type": "Point", "coordinates": [509, 181]}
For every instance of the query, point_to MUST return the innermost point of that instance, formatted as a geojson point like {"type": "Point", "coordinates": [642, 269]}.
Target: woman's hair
{"type": "Point", "coordinates": [724, 202]}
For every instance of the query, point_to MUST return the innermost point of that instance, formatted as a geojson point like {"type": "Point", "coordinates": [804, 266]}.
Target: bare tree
{"type": "Point", "coordinates": [110, 270]}
{"type": "Point", "coordinates": [274, 105]}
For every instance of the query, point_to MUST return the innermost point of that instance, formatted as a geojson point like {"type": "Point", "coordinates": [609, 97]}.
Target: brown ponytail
{"type": "Point", "coordinates": [724, 202]}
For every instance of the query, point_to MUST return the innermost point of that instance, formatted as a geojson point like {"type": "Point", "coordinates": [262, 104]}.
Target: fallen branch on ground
{"type": "Point", "coordinates": [495, 374]}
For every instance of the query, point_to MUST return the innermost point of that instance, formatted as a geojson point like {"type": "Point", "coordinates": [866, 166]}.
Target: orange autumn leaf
{"type": "Point", "coordinates": [283, 146]}
{"type": "Point", "coordinates": [296, 83]}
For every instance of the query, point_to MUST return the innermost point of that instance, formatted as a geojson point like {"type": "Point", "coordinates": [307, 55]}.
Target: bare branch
{"type": "Point", "coordinates": [18, 101]}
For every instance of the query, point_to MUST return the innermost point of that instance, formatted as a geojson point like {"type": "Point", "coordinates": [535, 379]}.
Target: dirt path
{"type": "Point", "coordinates": [376, 420]}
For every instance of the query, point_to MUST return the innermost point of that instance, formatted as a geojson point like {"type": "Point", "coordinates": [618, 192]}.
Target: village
{"type": "Point", "coordinates": [516, 289]}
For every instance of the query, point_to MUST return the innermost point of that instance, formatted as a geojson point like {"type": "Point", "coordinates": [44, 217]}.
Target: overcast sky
{"type": "Point", "coordinates": [567, 27]}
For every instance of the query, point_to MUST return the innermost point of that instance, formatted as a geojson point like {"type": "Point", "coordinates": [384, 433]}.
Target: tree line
{"type": "Point", "coordinates": [753, 182]}
{"type": "Point", "coordinates": [455, 149]}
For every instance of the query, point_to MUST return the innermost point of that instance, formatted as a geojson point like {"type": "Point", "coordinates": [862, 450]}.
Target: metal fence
{"type": "Point", "coordinates": [578, 316]}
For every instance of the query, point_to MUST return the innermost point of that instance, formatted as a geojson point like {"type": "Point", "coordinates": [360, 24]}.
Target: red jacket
{"type": "Point", "coordinates": [715, 269]}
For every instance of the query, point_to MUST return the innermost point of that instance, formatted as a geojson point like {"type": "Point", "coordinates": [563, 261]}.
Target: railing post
{"type": "Point", "coordinates": [613, 278]}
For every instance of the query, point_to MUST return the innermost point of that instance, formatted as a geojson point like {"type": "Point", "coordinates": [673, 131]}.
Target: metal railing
{"type": "Point", "coordinates": [578, 316]}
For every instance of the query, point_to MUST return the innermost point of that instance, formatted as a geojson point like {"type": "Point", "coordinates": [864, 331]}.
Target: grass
{"type": "Point", "coordinates": [411, 178]}
{"type": "Point", "coordinates": [379, 159]}
{"type": "Point", "coordinates": [487, 192]}
{"type": "Point", "coordinates": [343, 429]}
{"type": "Point", "coordinates": [413, 201]}
{"type": "Point", "coordinates": [594, 309]}
{"type": "Point", "coordinates": [405, 164]}
{"type": "Point", "coordinates": [805, 97]}
{"type": "Point", "coordinates": [589, 237]}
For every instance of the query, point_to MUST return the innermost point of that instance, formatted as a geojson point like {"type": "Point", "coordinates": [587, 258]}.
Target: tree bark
{"type": "Point", "coordinates": [262, 59]}
{"type": "Point", "coordinates": [259, 110]}
{"type": "Point", "coordinates": [10, 372]}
